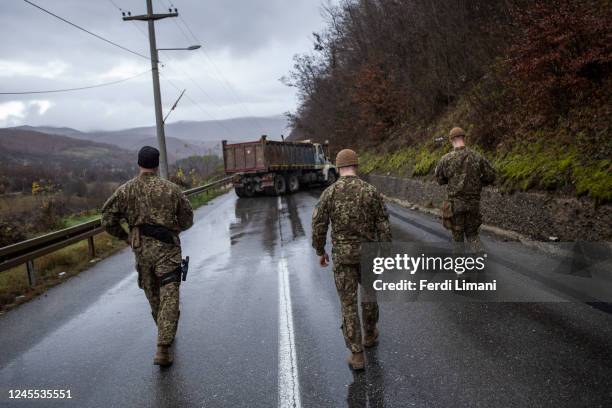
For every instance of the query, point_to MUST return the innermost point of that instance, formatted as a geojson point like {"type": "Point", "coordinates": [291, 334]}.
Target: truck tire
{"type": "Point", "coordinates": [279, 187]}
{"type": "Point", "coordinates": [239, 191]}
{"type": "Point", "coordinates": [249, 190]}
{"type": "Point", "coordinates": [293, 183]}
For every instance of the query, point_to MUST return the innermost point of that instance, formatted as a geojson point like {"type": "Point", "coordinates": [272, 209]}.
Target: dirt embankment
{"type": "Point", "coordinates": [537, 215]}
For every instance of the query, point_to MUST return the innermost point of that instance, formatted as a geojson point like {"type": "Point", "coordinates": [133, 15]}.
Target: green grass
{"type": "Point", "coordinates": [79, 219]}
{"type": "Point", "coordinates": [550, 168]}
{"type": "Point", "coordinates": [408, 161]}
{"type": "Point", "coordinates": [529, 166]}
{"type": "Point", "coordinates": [595, 180]}
{"type": "Point", "coordinates": [204, 197]}
{"type": "Point", "coordinates": [71, 260]}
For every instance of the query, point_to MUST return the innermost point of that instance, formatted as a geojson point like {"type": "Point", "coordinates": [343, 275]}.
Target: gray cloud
{"type": "Point", "coordinates": [251, 42]}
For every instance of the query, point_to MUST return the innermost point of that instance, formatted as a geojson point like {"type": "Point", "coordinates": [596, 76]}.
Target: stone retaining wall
{"type": "Point", "coordinates": [534, 214]}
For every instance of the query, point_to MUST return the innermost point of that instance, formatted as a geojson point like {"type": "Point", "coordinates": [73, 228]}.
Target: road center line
{"type": "Point", "coordinates": [288, 384]}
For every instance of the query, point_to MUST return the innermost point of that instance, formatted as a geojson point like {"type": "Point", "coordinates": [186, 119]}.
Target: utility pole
{"type": "Point", "coordinates": [159, 118]}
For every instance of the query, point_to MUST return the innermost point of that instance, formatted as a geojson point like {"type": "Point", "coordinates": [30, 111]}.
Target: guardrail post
{"type": "Point", "coordinates": [91, 247]}
{"type": "Point", "coordinates": [31, 273]}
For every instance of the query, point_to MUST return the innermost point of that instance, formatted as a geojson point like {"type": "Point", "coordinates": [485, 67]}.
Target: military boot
{"type": "Point", "coordinates": [163, 357]}
{"type": "Point", "coordinates": [371, 338]}
{"type": "Point", "coordinates": [356, 361]}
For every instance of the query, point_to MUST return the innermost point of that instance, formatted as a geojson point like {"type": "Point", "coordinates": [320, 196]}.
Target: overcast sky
{"type": "Point", "coordinates": [251, 44]}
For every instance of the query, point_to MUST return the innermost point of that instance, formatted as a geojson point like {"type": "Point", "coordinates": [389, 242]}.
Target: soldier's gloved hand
{"type": "Point", "coordinates": [324, 260]}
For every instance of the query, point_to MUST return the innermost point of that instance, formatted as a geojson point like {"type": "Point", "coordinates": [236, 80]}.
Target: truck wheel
{"type": "Point", "coordinates": [293, 183]}
{"type": "Point", "coordinates": [239, 191]}
{"type": "Point", "coordinates": [249, 190]}
{"type": "Point", "coordinates": [331, 177]}
{"type": "Point", "coordinates": [279, 187]}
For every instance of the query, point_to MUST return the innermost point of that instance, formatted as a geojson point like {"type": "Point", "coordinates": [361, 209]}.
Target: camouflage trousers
{"type": "Point", "coordinates": [466, 222]}
{"type": "Point", "coordinates": [348, 280]}
{"type": "Point", "coordinates": [164, 302]}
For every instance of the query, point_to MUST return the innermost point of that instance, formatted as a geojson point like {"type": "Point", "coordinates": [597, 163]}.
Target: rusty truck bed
{"type": "Point", "coordinates": [267, 155]}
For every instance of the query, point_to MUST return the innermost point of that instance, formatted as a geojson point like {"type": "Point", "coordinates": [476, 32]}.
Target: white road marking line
{"type": "Point", "coordinates": [288, 383]}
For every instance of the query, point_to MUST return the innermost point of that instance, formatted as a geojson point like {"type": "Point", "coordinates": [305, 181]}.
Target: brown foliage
{"type": "Point", "coordinates": [379, 102]}
{"type": "Point", "coordinates": [385, 64]}
{"type": "Point", "coordinates": [384, 68]}
{"type": "Point", "coordinates": [561, 54]}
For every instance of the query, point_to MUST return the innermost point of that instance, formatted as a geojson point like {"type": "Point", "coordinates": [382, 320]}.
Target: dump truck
{"type": "Point", "coordinates": [275, 168]}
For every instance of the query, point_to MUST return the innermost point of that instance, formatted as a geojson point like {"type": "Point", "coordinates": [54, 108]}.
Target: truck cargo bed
{"type": "Point", "coordinates": [266, 155]}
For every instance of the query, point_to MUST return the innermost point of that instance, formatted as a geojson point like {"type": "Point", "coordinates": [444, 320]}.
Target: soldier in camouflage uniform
{"type": "Point", "coordinates": [155, 210]}
{"type": "Point", "coordinates": [465, 172]}
{"type": "Point", "coordinates": [357, 214]}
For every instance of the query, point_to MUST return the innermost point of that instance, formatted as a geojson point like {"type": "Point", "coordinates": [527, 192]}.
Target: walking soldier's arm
{"type": "Point", "coordinates": [487, 172]}
{"type": "Point", "coordinates": [320, 223]}
{"type": "Point", "coordinates": [441, 178]}
{"type": "Point", "coordinates": [383, 226]}
{"type": "Point", "coordinates": [184, 213]}
{"type": "Point", "coordinates": [112, 213]}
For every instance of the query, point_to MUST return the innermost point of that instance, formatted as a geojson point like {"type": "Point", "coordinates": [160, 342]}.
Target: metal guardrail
{"type": "Point", "coordinates": [26, 252]}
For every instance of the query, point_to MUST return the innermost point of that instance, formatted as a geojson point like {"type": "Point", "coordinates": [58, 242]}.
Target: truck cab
{"type": "Point", "coordinates": [320, 156]}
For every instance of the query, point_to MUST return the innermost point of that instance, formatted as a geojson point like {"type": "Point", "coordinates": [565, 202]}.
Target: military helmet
{"type": "Point", "coordinates": [455, 132]}
{"type": "Point", "coordinates": [346, 158]}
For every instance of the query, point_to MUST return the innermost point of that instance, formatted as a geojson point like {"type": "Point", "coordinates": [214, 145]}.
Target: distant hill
{"type": "Point", "coordinates": [27, 146]}
{"type": "Point", "coordinates": [184, 138]}
{"type": "Point", "coordinates": [129, 139]}
{"type": "Point", "coordinates": [60, 163]}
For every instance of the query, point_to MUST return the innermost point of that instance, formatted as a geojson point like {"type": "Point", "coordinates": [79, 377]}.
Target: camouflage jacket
{"type": "Point", "coordinates": [465, 172]}
{"type": "Point", "coordinates": [147, 199]}
{"type": "Point", "coordinates": [357, 214]}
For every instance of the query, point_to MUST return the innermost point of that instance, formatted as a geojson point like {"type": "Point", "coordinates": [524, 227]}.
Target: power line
{"type": "Point", "coordinates": [218, 122]}
{"type": "Point", "coordinates": [163, 3]}
{"type": "Point", "coordinates": [115, 4]}
{"type": "Point", "coordinates": [181, 72]}
{"type": "Point", "coordinates": [223, 81]}
{"type": "Point", "coordinates": [75, 89]}
{"type": "Point", "coordinates": [86, 30]}
{"type": "Point", "coordinates": [134, 24]}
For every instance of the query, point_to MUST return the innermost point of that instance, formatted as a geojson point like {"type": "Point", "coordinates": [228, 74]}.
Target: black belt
{"type": "Point", "coordinates": [158, 232]}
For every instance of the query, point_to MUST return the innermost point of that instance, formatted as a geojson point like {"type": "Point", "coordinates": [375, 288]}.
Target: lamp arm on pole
{"type": "Point", "coordinates": [174, 106]}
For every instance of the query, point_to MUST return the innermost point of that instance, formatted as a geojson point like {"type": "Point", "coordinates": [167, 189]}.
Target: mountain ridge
{"type": "Point", "coordinates": [183, 138]}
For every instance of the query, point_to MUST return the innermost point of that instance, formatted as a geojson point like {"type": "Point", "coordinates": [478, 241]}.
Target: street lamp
{"type": "Point", "coordinates": [150, 18]}
{"type": "Point", "coordinates": [190, 48]}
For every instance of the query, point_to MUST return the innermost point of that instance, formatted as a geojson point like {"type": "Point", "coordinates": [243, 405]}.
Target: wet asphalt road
{"type": "Point", "coordinates": [260, 328]}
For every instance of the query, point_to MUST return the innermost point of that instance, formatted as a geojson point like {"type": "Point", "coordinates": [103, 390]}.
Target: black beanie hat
{"type": "Point", "coordinates": [148, 157]}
